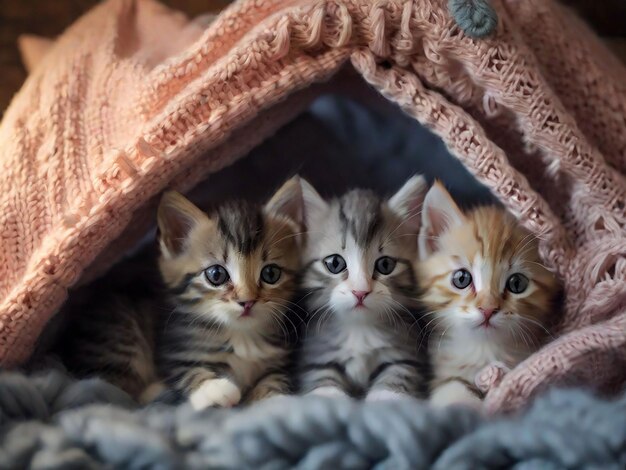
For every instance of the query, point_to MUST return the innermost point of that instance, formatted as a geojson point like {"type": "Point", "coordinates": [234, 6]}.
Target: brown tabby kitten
{"type": "Point", "coordinates": [230, 278]}
{"type": "Point", "coordinates": [488, 295]}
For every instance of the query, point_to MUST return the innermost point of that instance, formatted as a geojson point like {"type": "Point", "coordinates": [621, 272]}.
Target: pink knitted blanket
{"type": "Point", "coordinates": [127, 100]}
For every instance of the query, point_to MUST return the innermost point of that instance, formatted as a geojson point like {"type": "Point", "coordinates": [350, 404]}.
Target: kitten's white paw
{"type": "Point", "coordinates": [215, 392]}
{"type": "Point", "coordinates": [328, 391]}
{"type": "Point", "coordinates": [384, 395]}
{"type": "Point", "coordinates": [454, 393]}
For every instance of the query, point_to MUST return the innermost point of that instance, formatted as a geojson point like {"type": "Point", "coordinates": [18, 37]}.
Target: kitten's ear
{"type": "Point", "coordinates": [176, 217]}
{"type": "Point", "coordinates": [406, 203]}
{"type": "Point", "coordinates": [288, 201]}
{"type": "Point", "coordinates": [315, 208]}
{"type": "Point", "coordinates": [439, 213]}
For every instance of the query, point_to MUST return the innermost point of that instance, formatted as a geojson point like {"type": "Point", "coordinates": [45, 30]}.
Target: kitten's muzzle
{"type": "Point", "coordinates": [247, 307]}
{"type": "Point", "coordinates": [488, 312]}
{"type": "Point", "coordinates": [360, 296]}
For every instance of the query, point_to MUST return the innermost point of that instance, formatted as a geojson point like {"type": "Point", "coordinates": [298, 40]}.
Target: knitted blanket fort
{"type": "Point", "coordinates": [133, 98]}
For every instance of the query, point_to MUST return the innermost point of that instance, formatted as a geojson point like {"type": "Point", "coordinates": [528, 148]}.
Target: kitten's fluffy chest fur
{"type": "Point", "coordinates": [251, 354]}
{"type": "Point", "coordinates": [465, 355]}
{"type": "Point", "coordinates": [360, 346]}
{"type": "Point", "coordinates": [247, 352]}
{"type": "Point", "coordinates": [252, 346]}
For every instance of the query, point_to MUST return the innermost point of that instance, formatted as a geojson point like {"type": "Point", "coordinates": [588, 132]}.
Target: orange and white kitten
{"type": "Point", "coordinates": [488, 295]}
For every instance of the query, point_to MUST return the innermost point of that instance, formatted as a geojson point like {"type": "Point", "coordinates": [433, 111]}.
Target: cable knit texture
{"type": "Point", "coordinates": [50, 421]}
{"type": "Point", "coordinates": [128, 99]}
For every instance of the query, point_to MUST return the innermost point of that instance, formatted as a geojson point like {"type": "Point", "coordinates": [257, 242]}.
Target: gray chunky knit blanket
{"type": "Point", "coordinates": [48, 420]}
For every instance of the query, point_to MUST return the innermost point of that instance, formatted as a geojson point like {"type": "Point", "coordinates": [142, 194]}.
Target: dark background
{"type": "Point", "coordinates": [50, 17]}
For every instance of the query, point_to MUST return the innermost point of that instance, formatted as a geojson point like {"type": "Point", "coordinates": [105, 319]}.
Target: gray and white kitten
{"type": "Point", "coordinates": [230, 277]}
{"type": "Point", "coordinates": [361, 339]}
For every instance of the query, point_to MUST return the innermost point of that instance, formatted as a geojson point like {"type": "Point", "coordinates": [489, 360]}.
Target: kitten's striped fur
{"type": "Point", "coordinates": [108, 328]}
{"type": "Point", "coordinates": [490, 245]}
{"type": "Point", "coordinates": [369, 350]}
{"type": "Point", "coordinates": [223, 343]}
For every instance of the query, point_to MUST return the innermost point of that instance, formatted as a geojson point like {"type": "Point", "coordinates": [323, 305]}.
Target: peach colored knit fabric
{"type": "Point", "coordinates": [127, 100]}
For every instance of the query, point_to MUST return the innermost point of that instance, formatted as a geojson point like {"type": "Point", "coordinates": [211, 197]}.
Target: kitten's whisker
{"type": "Point", "coordinates": [317, 310]}
{"type": "Point", "coordinates": [295, 328]}
{"type": "Point", "coordinates": [273, 243]}
{"type": "Point", "coordinates": [522, 241]}
{"type": "Point", "coordinates": [533, 337]}
{"type": "Point", "coordinates": [515, 329]}
{"type": "Point", "coordinates": [402, 235]}
{"type": "Point", "coordinates": [431, 321]}
{"type": "Point", "coordinates": [513, 332]}
{"type": "Point", "coordinates": [284, 309]}
{"type": "Point", "coordinates": [531, 334]}
{"type": "Point", "coordinates": [414, 324]}
{"type": "Point", "coordinates": [305, 296]}
{"type": "Point", "coordinates": [405, 319]}
{"type": "Point", "coordinates": [415, 213]}
{"type": "Point", "coordinates": [538, 264]}
{"type": "Point", "coordinates": [286, 332]}
{"type": "Point", "coordinates": [295, 305]}
{"type": "Point", "coordinates": [280, 323]}
{"type": "Point", "coordinates": [385, 310]}
{"type": "Point", "coordinates": [531, 237]}
{"type": "Point", "coordinates": [428, 314]}
{"type": "Point", "coordinates": [441, 336]}
{"type": "Point", "coordinates": [518, 330]}
{"type": "Point", "coordinates": [536, 323]}
{"type": "Point", "coordinates": [391, 314]}
{"type": "Point", "coordinates": [399, 304]}
{"type": "Point", "coordinates": [324, 318]}
{"type": "Point", "coordinates": [301, 300]}
{"type": "Point", "coordinates": [410, 300]}
{"type": "Point", "coordinates": [324, 308]}
{"type": "Point", "coordinates": [522, 336]}
{"type": "Point", "coordinates": [169, 317]}
{"type": "Point", "coordinates": [426, 337]}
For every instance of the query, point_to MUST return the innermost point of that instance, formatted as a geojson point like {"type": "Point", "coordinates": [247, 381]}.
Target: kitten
{"type": "Point", "coordinates": [107, 329]}
{"type": "Point", "coordinates": [360, 285]}
{"type": "Point", "coordinates": [488, 295]}
{"type": "Point", "coordinates": [230, 277]}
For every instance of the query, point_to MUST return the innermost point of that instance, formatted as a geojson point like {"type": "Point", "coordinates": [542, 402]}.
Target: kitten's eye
{"type": "Point", "coordinates": [270, 274]}
{"type": "Point", "coordinates": [461, 279]}
{"type": "Point", "coordinates": [385, 265]}
{"type": "Point", "coordinates": [517, 283]}
{"type": "Point", "coordinates": [216, 275]}
{"type": "Point", "coordinates": [335, 264]}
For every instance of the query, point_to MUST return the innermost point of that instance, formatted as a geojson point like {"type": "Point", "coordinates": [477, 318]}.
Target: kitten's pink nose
{"type": "Point", "coordinates": [247, 306]}
{"type": "Point", "coordinates": [488, 312]}
{"type": "Point", "coordinates": [360, 296]}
